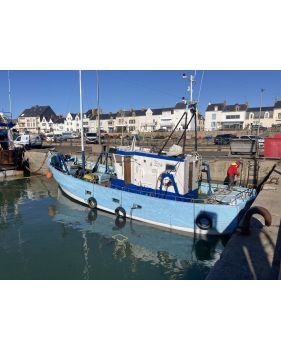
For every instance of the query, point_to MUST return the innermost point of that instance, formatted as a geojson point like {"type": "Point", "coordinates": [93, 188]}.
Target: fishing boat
{"type": "Point", "coordinates": [158, 188]}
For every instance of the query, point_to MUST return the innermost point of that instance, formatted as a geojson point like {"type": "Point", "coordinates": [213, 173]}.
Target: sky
{"type": "Point", "coordinates": [120, 89]}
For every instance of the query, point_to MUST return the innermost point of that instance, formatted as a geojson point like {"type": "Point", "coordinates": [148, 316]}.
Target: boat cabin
{"type": "Point", "coordinates": [177, 175]}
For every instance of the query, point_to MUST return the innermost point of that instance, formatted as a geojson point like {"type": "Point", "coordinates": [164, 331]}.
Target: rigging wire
{"type": "Point", "coordinates": [200, 87]}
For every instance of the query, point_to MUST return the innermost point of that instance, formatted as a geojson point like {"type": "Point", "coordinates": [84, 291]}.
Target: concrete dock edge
{"type": "Point", "coordinates": [258, 254]}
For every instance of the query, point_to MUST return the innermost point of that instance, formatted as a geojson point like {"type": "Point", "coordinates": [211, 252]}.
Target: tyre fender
{"type": "Point", "coordinates": [120, 212]}
{"type": "Point", "coordinates": [204, 222]}
{"type": "Point", "coordinates": [92, 202]}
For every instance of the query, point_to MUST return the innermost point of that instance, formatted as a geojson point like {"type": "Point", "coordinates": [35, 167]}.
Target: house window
{"type": "Point", "coordinates": [213, 124]}
{"type": "Point", "coordinates": [266, 114]}
{"type": "Point", "coordinates": [232, 117]}
{"type": "Point", "coordinates": [251, 115]}
{"type": "Point", "coordinates": [132, 121]}
{"type": "Point", "coordinates": [214, 116]}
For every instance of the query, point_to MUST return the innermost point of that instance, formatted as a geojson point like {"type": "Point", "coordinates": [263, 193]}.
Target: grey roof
{"type": "Point", "coordinates": [211, 106]}
{"type": "Point", "coordinates": [108, 116]}
{"type": "Point", "coordinates": [58, 120]}
{"type": "Point", "coordinates": [226, 108]}
{"type": "Point", "coordinates": [39, 111]}
{"type": "Point", "coordinates": [134, 112]}
{"type": "Point", "coordinates": [232, 108]}
{"type": "Point", "coordinates": [257, 109]}
{"type": "Point", "coordinates": [180, 105]}
{"type": "Point", "coordinates": [277, 104]}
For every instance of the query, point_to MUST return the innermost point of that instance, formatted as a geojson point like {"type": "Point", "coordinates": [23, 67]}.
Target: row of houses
{"type": "Point", "coordinates": [42, 119]}
{"type": "Point", "coordinates": [218, 116]}
{"type": "Point", "coordinates": [221, 116]}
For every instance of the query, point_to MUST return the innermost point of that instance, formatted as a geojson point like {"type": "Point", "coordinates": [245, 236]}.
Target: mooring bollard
{"type": "Point", "coordinates": [244, 229]}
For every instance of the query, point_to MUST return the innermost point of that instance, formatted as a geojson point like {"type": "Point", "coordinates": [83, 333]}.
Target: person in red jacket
{"type": "Point", "coordinates": [232, 171]}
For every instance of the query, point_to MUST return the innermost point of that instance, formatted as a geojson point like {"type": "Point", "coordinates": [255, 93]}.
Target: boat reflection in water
{"type": "Point", "coordinates": [136, 244]}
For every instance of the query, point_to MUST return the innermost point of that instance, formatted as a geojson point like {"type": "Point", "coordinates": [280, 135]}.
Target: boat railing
{"type": "Point", "coordinates": [234, 197]}
{"type": "Point", "coordinates": [231, 198]}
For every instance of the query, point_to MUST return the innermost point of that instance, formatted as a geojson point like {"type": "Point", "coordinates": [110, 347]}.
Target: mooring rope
{"type": "Point", "coordinates": [36, 171]}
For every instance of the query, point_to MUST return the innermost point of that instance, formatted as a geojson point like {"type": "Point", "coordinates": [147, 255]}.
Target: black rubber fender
{"type": "Point", "coordinates": [92, 202]}
{"type": "Point", "coordinates": [120, 222]}
{"type": "Point", "coordinates": [203, 221]}
{"type": "Point", "coordinates": [92, 215]}
{"type": "Point", "coordinates": [120, 212]}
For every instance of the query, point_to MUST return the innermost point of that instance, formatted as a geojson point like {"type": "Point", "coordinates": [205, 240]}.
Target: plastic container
{"type": "Point", "coordinates": [272, 146]}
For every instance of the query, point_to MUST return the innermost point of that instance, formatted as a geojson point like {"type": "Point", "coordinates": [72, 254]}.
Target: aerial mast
{"type": "Point", "coordinates": [192, 105]}
{"type": "Point", "coordinates": [10, 99]}
{"type": "Point", "coordinates": [81, 117]}
{"type": "Point", "coordinates": [98, 107]}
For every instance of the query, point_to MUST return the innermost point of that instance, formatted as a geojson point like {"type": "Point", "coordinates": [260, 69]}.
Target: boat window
{"type": "Point", "coordinates": [170, 167]}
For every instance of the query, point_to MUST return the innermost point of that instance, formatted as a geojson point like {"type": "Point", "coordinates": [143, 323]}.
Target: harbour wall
{"type": "Point", "coordinates": [252, 171]}
{"type": "Point", "coordinates": [255, 252]}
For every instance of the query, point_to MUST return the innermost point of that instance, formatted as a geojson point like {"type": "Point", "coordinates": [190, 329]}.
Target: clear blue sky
{"type": "Point", "coordinates": [133, 89]}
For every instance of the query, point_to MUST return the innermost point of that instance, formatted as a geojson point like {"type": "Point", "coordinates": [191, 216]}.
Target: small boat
{"type": "Point", "coordinates": [9, 155]}
{"type": "Point", "coordinates": [165, 190]}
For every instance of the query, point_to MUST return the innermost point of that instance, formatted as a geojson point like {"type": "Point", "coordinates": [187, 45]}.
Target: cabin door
{"type": "Point", "coordinates": [127, 170]}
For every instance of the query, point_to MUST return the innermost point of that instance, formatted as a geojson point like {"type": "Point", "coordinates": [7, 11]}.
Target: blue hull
{"type": "Point", "coordinates": [171, 214]}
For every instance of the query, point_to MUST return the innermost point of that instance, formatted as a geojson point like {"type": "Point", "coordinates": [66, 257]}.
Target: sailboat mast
{"type": "Point", "coordinates": [81, 117]}
{"type": "Point", "coordinates": [98, 107]}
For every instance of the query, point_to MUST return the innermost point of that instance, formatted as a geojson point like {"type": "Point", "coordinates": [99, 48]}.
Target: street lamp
{"type": "Point", "coordinates": [262, 91]}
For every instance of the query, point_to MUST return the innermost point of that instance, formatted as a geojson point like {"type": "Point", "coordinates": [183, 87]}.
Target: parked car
{"type": "Point", "coordinates": [259, 139]}
{"type": "Point", "coordinates": [75, 135]}
{"type": "Point", "coordinates": [66, 135]}
{"type": "Point", "coordinates": [28, 141]}
{"type": "Point", "coordinates": [59, 138]}
{"type": "Point", "coordinates": [49, 137]}
{"type": "Point", "coordinates": [224, 139]}
{"type": "Point", "coordinates": [91, 137]}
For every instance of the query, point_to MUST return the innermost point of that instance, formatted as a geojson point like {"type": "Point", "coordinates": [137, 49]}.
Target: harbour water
{"type": "Point", "coordinates": [46, 235]}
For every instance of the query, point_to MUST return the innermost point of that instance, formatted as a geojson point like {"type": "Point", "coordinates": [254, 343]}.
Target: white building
{"type": "Point", "coordinates": [220, 116]}
{"type": "Point", "coordinates": [141, 120]}
{"type": "Point", "coordinates": [43, 119]}
{"type": "Point", "coordinates": [37, 119]}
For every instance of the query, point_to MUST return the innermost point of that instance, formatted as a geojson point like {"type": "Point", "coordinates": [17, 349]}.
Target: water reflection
{"type": "Point", "coordinates": [46, 235]}
{"type": "Point", "coordinates": [138, 241]}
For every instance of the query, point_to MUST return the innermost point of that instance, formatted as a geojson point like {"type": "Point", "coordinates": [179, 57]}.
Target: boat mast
{"type": "Point", "coordinates": [98, 106]}
{"type": "Point", "coordinates": [10, 99]}
{"type": "Point", "coordinates": [81, 117]}
{"type": "Point", "coordinates": [192, 106]}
